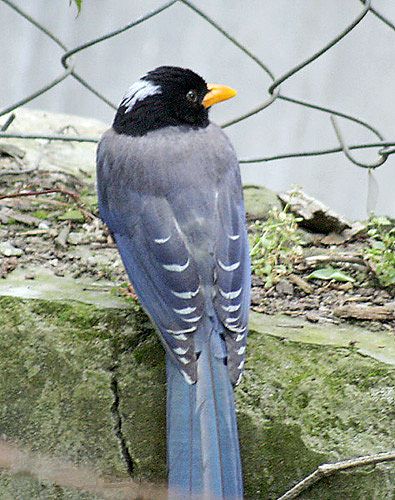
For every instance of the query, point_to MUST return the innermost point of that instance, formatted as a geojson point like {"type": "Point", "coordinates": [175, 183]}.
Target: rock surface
{"type": "Point", "coordinates": [259, 200]}
{"type": "Point", "coordinates": [71, 157]}
{"type": "Point", "coordinates": [315, 216]}
{"type": "Point", "coordinates": [73, 369]}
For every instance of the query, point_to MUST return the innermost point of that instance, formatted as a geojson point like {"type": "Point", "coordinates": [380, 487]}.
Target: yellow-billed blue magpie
{"type": "Point", "coordinates": [170, 192]}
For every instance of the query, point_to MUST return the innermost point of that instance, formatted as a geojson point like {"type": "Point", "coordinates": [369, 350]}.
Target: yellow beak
{"type": "Point", "coordinates": [217, 93]}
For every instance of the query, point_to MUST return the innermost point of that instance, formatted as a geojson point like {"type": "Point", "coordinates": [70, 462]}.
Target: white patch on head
{"type": "Point", "coordinates": [138, 92]}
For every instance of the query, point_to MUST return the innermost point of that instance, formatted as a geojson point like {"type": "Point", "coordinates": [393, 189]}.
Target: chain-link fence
{"type": "Point", "coordinates": [384, 149]}
{"type": "Point", "coordinates": [383, 146]}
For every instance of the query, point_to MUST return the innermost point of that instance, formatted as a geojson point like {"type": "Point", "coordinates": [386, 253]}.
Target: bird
{"type": "Point", "coordinates": [170, 192]}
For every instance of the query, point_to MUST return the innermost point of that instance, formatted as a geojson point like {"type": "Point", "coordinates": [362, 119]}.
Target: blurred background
{"type": "Point", "coordinates": [356, 77]}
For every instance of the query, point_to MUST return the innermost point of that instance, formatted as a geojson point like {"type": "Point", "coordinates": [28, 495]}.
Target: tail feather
{"type": "Point", "coordinates": [183, 434]}
{"type": "Point", "coordinates": [203, 446]}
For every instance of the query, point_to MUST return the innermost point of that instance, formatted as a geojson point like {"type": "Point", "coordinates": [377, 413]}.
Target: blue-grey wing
{"type": "Point", "coordinates": [233, 277]}
{"type": "Point", "coordinates": [157, 260]}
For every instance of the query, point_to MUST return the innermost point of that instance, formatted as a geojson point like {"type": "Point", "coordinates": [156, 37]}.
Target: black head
{"type": "Point", "coordinates": [166, 96]}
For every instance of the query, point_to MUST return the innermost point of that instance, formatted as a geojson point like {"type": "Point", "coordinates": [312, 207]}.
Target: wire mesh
{"type": "Point", "coordinates": [384, 147]}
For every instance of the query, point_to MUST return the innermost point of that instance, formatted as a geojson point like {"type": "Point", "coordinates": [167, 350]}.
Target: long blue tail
{"type": "Point", "coordinates": [202, 437]}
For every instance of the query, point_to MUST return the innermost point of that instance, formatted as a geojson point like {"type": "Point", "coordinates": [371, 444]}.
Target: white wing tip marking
{"type": "Point", "coordinates": [178, 268]}
{"type": "Point", "coordinates": [186, 295]}
{"type": "Point", "coordinates": [187, 378]}
{"type": "Point", "coordinates": [180, 350]}
{"type": "Point", "coordinates": [236, 329]}
{"type": "Point", "coordinates": [232, 320]}
{"type": "Point", "coordinates": [179, 336]}
{"type": "Point", "coordinates": [230, 295]}
{"type": "Point", "coordinates": [231, 267]}
{"type": "Point", "coordinates": [231, 308]}
{"type": "Point", "coordinates": [192, 320]}
{"type": "Point", "coordinates": [160, 241]}
{"type": "Point", "coordinates": [185, 310]}
{"type": "Point", "coordinates": [181, 332]}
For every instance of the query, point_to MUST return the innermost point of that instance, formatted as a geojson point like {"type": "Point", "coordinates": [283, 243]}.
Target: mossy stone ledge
{"type": "Point", "coordinates": [303, 401]}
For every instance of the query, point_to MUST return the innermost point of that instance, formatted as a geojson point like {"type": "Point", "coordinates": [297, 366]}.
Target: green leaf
{"type": "Point", "coordinates": [73, 214]}
{"type": "Point", "coordinates": [382, 221]}
{"type": "Point", "coordinates": [329, 273]}
{"type": "Point", "coordinates": [78, 3]}
{"type": "Point", "coordinates": [377, 244]}
{"type": "Point", "coordinates": [389, 279]}
{"type": "Point", "coordinates": [41, 214]}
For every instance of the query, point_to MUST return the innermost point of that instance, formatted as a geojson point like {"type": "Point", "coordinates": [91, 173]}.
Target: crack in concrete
{"type": "Point", "coordinates": [117, 418]}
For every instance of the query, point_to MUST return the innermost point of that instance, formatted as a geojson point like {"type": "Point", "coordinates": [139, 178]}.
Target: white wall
{"type": "Point", "coordinates": [357, 77]}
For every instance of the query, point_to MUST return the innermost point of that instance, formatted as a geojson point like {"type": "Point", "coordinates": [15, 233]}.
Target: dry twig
{"type": "Point", "coordinates": [363, 312]}
{"type": "Point", "coordinates": [313, 260]}
{"type": "Point", "coordinates": [73, 195]}
{"type": "Point", "coordinates": [326, 470]}
{"type": "Point", "coordinates": [301, 283]}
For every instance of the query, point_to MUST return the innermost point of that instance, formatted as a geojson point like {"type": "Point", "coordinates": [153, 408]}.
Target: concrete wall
{"type": "Point", "coordinates": [356, 77]}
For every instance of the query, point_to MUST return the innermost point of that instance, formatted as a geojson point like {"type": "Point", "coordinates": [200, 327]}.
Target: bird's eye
{"type": "Point", "coordinates": [192, 96]}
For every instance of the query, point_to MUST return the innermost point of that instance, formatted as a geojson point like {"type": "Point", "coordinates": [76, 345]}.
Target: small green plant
{"type": "Point", "coordinates": [381, 250]}
{"type": "Point", "coordinates": [276, 244]}
{"type": "Point", "coordinates": [72, 214]}
{"type": "Point", "coordinates": [329, 273]}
